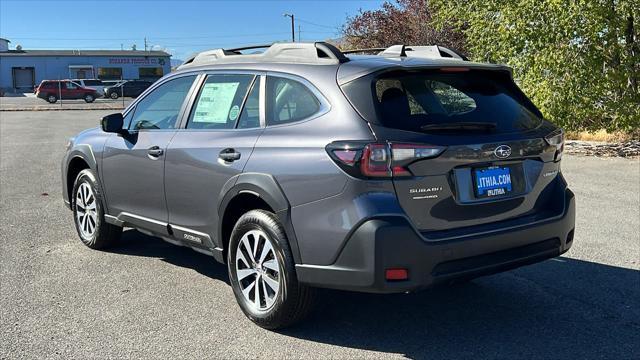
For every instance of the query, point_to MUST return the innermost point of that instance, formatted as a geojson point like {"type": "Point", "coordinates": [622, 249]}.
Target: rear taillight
{"type": "Point", "coordinates": [379, 160]}
{"type": "Point", "coordinates": [556, 138]}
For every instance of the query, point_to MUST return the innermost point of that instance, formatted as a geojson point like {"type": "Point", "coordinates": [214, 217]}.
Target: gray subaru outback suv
{"type": "Point", "coordinates": [303, 167]}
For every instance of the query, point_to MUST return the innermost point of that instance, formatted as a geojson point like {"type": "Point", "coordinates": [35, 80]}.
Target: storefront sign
{"type": "Point", "coordinates": [137, 61]}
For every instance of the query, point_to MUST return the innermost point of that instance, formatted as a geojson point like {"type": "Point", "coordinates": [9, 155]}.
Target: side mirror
{"type": "Point", "coordinates": [113, 123]}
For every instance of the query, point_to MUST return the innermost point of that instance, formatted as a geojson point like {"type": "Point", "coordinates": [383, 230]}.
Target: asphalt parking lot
{"type": "Point", "coordinates": [149, 299]}
{"type": "Point", "coordinates": [30, 102]}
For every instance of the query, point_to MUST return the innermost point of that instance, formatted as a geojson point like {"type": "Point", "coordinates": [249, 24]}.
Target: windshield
{"type": "Point", "coordinates": [441, 101]}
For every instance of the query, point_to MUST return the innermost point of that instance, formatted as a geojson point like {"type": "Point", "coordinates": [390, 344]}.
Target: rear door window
{"type": "Point", "coordinates": [220, 101]}
{"type": "Point", "coordinates": [250, 115]}
{"type": "Point", "coordinates": [289, 100]}
{"type": "Point", "coordinates": [432, 99]}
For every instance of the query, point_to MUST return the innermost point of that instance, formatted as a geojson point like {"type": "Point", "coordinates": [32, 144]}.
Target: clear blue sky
{"type": "Point", "coordinates": [180, 27]}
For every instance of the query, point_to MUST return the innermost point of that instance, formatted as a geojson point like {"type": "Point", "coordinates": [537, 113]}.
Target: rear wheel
{"type": "Point", "coordinates": [88, 213]}
{"type": "Point", "coordinates": [89, 98]}
{"type": "Point", "coordinates": [52, 99]}
{"type": "Point", "coordinates": [262, 272]}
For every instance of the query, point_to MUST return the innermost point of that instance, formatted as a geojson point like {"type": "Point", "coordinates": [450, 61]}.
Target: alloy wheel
{"type": "Point", "coordinates": [257, 270]}
{"type": "Point", "coordinates": [86, 212]}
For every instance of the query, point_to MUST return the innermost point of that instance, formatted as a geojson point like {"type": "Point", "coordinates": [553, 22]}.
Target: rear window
{"type": "Point", "coordinates": [49, 85]}
{"type": "Point", "coordinates": [435, 100]}
{"type": "Point", "coordinates": [92, 82]}
{"type": "Point", "coordinates": [288, 101]}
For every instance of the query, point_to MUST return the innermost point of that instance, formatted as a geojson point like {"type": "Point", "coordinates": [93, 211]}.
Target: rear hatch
{"type": "Point", "coordinates": [467, 148]}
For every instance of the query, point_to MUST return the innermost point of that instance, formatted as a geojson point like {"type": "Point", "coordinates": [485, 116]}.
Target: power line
{"type": "Point", "coordinates": [319, 25]}
{"type": "Point", "coordinates": [155, 38]}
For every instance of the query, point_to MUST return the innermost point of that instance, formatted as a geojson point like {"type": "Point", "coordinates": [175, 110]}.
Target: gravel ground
{"type": "Point", "coordinates": [629, 149]}
{"type": "Point", "coordinates": [149, 299]}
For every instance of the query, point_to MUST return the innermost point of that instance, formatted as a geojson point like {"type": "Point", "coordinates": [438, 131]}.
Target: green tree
{"type": "Point", "coordinates": [398, 22]}
{"type": "Point", "coordinates": [577, 60]}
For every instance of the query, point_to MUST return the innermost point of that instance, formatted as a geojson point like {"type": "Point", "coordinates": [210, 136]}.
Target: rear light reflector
{"type": "Point", "coordinates": [396, 274]}
{"type": "Point", "coordinates": [346, 156]}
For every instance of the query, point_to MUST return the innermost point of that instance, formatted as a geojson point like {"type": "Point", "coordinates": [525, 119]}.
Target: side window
{"type": "Point", "coordinates": [160, 108]}
{"type": "Point", "coordinates": [288, 101]}
{"type": "Point", "coordinates": [250, 116]}
{"type": "Point", "coordinates": [219, 102]}
{"type": "Point", "coordinates": [70, 85]}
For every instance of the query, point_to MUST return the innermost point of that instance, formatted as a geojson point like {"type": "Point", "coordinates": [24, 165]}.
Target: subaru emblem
{"type": "Point", "coordinates": [502, 151]}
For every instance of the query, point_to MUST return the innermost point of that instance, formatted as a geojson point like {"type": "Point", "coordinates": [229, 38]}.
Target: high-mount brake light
{"type": "Point", "coordinates": [556, 138]}
{"type": "Point", "coordinates": [379, 160]}
{"type": "Point", "coordinates": [454, 69]}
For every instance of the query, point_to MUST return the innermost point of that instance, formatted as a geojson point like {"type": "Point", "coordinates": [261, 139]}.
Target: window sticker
{"type": "Point", "coordinates": [215, 101]}
{"type": "Point", "coordinates": [233, 113]}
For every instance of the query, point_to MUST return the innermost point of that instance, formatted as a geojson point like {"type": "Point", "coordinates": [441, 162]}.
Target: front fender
{"type": "Point", "coordinates": [82, 152]}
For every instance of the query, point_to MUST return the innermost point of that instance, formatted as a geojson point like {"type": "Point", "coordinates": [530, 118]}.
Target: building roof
{"type": "Point", "coordinates": [84, 53]}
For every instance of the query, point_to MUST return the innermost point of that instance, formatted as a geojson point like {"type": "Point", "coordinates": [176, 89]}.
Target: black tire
{"type": "Point", "coordinates": [294, 300]}
{"type": "Point", "coordinates": [104, 234]}
{"type": "Point", "coordinates": [89, 98]}
{"type": "Point", "coordinates": [52, 99]}
{"type": "Point", "coordinates": [114, 95]}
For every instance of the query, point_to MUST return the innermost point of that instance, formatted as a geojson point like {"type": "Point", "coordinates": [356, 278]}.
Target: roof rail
{"type": "Point", "coordinates": [433, 51]}
{"type": "Point", "coordinates": [364, 51]}
{"type": "Point", "coordinates": [306, 53]}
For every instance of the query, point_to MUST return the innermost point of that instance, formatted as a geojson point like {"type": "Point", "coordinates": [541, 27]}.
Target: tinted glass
{"type": "Point", "coordinates": [160, 108]}
{"type": "Point", "coordinates": [250, 116]}
{"type": "Point", "coordinates": [288, 101]}
{"type": "Point", "coordinates": [219, 102]}
{"type": "Point", "coordinates": [92, 82]}
{"type": "Point", "coordinates": [416, 101]}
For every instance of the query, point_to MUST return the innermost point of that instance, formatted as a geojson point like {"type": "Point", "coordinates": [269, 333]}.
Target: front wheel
{"type": "Point", "coordinates": [52, 99]}
{"type": "Point", "coordinates": [262, 272]}
{"type": "Point", "coordinates": [114, 95]}
{"type": "Point", "coordinates": [88, 213]}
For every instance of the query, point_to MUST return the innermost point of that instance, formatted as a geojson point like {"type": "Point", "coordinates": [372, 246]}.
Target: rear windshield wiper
{"type": "Point", "coordinates": [467, 126]}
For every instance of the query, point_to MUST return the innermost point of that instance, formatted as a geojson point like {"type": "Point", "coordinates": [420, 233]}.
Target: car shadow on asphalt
{"type": "Point", "coordinates": [136, 243]}
{"type": "Point", "coordinates": [560, 308]}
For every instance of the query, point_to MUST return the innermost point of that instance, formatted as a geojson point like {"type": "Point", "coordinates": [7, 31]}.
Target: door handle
{"type": "Point", "coordinates": [155, 151]}
{"type": "Point", "coordinates": [229, 155]}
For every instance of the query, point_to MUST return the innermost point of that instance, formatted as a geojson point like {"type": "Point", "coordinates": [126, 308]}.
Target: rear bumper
{"type": "Point", "coordinates": [391, 242]}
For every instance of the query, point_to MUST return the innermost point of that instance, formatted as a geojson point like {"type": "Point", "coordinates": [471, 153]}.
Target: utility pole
{"type": "Point", "coordinates": [293, 26]}
{"type": "Point", "coordinates": [299, 32]}
{"type": "Point", "coordinates": [145, 44]}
